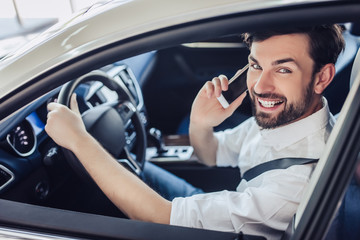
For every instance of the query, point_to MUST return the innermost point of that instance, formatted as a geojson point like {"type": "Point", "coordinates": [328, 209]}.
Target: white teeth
{"type": "Point", "coordinates": [268, 104]}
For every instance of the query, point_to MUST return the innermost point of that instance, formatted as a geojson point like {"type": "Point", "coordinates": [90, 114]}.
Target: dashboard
{"type": "Point", "coordinates": [31, 164]}
{"type": "Point", "coordinates": [22, 139]}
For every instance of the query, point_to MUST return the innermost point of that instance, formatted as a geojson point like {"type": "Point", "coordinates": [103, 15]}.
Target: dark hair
{"type": "Point", "coordinates": [326, 41]}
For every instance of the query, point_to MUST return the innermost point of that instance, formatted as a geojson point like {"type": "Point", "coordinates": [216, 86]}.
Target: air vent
{"type": "Point", "coordinates": [129, 82]}
{"type": "Point", "coordinates": [6, 176]}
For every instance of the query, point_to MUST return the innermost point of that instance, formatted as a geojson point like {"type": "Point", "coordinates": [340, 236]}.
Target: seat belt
{"type": "Point", "coordinates": [281, 163]}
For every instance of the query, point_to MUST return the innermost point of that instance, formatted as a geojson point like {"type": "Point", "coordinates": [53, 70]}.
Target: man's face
{"type": "Point", "coordinates": [280, 80]}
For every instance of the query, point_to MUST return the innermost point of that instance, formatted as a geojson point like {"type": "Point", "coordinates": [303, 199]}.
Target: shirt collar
{"type": "Point", "coordinates": [289, 134]}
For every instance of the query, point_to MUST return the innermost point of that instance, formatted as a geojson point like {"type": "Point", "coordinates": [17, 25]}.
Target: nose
{"type": "Point", "coordinates": [264, 83]}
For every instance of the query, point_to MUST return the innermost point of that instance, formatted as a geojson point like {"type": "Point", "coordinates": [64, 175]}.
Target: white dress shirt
{"type": "Point", "coordinates": [266, 204]}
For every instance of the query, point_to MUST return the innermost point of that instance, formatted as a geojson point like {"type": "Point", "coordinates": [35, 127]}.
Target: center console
{"type": "Point", "coordinates": [171, 148]}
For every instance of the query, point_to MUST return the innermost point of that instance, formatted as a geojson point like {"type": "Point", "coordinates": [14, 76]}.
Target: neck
{"type": "Point", "coordinates": [315, 106]}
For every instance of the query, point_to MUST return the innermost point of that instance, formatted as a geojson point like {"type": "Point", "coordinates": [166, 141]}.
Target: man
{"type": "Point", "coordinates": [289, 70]}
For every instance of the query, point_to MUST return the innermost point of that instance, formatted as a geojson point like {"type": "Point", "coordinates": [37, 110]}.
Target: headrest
{"type": "Point", "coordinates": [355, 68]}
{"type": "Point", "coordinates": [355, 28]}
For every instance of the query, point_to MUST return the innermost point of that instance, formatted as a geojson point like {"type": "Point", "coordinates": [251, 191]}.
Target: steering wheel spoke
{"type": "Point", "coordinates": [130, 162]}
{"type": "Point", "coordinates": [126, 110]}
{"type": "Point", "coordinates": [130, 136]}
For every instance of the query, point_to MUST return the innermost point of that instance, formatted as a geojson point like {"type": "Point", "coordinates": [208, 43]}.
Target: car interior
{"type": "Point", "coordinates": [161, 85]}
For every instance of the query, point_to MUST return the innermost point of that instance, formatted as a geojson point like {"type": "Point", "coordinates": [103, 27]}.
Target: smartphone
{"type": "Point", "coordinates": [237, 85]}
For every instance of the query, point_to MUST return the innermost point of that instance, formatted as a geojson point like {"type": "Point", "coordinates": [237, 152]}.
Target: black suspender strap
{"type": "Point", "coordinates": [281, 163]}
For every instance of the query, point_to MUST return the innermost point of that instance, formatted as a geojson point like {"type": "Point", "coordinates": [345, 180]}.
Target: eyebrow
{"type": "Point", "coordinates": [277, 62]}
{"type": "Point", "coordinates": [285, 60]}
{"type": "Point", "coordinates": [253, 59]}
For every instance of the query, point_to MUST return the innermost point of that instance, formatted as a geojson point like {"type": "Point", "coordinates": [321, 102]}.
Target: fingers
{"type": "Point", "coordinates": [51, 106]}
{"type": "Point", "coordinates": [73, 104]}
{"type": "Point", "coordinates": [216, 86]}
{"type": "Point", "coordinates": [224, 82]}
{"type": "Point", "coordinates": [220, 84]}
{"type": "Point", "coordinates": [209, 88]}
{"type": "Point", "coordinates": [54, 109]}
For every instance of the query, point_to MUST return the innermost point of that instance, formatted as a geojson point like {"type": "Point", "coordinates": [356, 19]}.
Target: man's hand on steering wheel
{"type": "Point", "coordinates": [117, 126]}
{"type": "Point", "coordinates": [65, 126]}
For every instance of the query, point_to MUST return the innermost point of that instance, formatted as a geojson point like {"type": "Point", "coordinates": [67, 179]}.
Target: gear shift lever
{"type": "Point", "coordinates": [157, 137]}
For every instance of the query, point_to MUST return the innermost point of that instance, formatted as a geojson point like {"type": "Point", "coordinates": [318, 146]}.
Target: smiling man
{"type": "Point", "coordinates": [289, 70]}
{"type": "Point", "coordinates": [282, 83]}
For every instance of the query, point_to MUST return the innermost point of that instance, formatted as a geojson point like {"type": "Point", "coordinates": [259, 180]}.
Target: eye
{"type": "Point", "coordinates": [256, 66]}
{"type": "Point", "coordinates": [284, 70]}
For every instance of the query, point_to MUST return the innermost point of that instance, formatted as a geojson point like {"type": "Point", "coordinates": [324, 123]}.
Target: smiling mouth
{"type": "Point", "coordinates": [269, 104]}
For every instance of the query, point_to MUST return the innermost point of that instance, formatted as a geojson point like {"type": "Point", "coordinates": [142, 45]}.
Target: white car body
{"type": "Point", "coordinates": [95, 28]}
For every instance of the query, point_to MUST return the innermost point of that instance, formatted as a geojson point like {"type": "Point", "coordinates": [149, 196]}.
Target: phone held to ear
{"type": "Point", "coordinates": [237, 85]}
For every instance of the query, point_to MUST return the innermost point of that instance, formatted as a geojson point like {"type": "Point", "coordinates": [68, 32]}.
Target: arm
{"type": "Point", "coordinates": [123, 188]}
{"type": "Point", "coordinates": [206, 113]}
{"type": "Point", "coordinates": [255, 209]}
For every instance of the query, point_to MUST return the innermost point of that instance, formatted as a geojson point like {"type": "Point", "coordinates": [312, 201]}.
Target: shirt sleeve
{"type": "Point", "coordinates": [269, 206]}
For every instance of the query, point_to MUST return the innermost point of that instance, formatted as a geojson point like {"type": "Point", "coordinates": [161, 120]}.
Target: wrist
{"type": "Point", "coordinates": [199, 127]}
{"type": "Point", "coordinates": [81, 141]}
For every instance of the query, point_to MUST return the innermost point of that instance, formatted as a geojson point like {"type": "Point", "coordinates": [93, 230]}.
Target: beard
{"type": "Point", "coordinates": [291, 112]}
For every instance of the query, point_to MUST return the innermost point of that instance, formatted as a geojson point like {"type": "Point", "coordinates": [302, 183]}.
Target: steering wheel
{"type": "Point", "coordinates": [116, 126]}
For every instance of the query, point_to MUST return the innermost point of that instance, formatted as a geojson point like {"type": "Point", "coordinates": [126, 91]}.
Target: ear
{"type": "Point", "coordinates": [324, 78]}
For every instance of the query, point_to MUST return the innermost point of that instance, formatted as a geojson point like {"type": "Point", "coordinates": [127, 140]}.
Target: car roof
{"type": "Point", "coordinates": [103, 24]}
